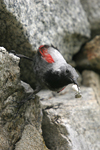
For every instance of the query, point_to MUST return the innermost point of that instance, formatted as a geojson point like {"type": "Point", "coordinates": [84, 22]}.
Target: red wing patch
{"type": "Point", "coordinates": [45, 55]}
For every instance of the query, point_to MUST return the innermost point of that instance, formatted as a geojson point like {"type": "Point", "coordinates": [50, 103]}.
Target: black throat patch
{"type": "Point", "coordinates": [55, 80]}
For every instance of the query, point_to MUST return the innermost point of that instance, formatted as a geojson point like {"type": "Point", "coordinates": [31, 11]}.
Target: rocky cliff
{"type": "Point", "coordinates": [49, 120]}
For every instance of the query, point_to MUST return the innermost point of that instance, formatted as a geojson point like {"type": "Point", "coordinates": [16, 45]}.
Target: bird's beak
{"type": "Point", "coordinates": [75, 82]}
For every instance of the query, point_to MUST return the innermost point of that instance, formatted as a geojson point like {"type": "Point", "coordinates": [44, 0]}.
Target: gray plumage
{"type": "Point", "coordinates": [51, 69]}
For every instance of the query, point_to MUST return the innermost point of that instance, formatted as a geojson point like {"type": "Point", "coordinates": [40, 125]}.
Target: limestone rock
{"type": "Point", "coordinates": [72, 124]}
{"type": "Point", "coordinates": [89, 56]}
{"type": "Point", "coordinates": [27, 24]}
{"type": "Point", "coordinates": [16, 112]}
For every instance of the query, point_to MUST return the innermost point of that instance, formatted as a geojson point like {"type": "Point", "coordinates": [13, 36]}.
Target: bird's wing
{"type": "Point", "coordinates": [55, 47]}
{"type": "Point", "coordinates": [43, 51]}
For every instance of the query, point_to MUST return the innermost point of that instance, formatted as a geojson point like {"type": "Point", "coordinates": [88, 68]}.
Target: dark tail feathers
{"type": "Point", "coordinates": [20, 55]}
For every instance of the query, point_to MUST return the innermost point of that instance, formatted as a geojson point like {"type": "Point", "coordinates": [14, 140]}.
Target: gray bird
{"type": "Point", "coordinates": [51, 69]}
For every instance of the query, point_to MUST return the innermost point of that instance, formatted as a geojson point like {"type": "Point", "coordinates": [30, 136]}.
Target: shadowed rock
{"type": "Point", "coordinates": [17, 114]}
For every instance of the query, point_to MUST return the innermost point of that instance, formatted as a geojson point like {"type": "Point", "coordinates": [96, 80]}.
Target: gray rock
{"type": "Point", "coordinates": [27, 24]}
{"type": "Point", "coordinates": [92, 9]}
{"type": "Point", "coordinates": [72, 124]}
{"type": "Point", "coordinates": [9, 73]}
{"type": "Point", "coordinates": [44, 21]}
{"type": "Point", "coordinates": [31, 139]}
{"type": "Point", "coordinates": [92, 79]}
{"type": "Point", "coordinates": [67, 123]}
{"type": "Point", "coordinates": [18, 115]}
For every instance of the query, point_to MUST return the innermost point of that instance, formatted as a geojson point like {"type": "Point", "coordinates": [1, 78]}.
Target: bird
{"type": "Point", "coordinates": [51, 70]}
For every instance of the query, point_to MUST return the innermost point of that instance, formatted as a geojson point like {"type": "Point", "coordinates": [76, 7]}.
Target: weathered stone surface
{"type": "Point", "coordinates": [68, 123]}
{"type": "Point", "coordinates": [27, 24]}
{"type": "Point", "coordinates": [89, 56]}
{"type": "Point", "coordinates": [17, 116]}
{"type": "Point", "coordinates": [9, 73]}
{"type": "Point", "coordinates": [31, 139]}
{"type": "Point", "coordinates": [44, 20]}
{"type": "Point", "coordinates": [92, 9]}
{"type": "Point", "coordinates": [72, 124]}
{"type": "Point", "coordinates": [92, 79]}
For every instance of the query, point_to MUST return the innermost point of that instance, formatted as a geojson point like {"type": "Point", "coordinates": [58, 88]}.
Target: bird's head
{"type": "Point", "coordinates": [71, 75]}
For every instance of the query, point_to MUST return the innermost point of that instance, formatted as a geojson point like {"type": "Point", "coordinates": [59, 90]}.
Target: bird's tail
{"type": "Point", "coordinates": [20, 55]}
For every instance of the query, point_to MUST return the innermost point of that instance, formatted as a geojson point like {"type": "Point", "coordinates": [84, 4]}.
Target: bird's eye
{"type": "Point", "coordinates": [67, 71]}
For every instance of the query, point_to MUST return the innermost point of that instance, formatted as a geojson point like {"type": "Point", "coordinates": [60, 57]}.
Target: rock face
{"type": "Point", "coordinates": [9, 76]}
{"type": "Point", "coordinates": [89, 56]}
{"type": "Point", "coordinates": [65, 124]}
{"type": "Point", "coordinates": [92, 79]}
{"type": "Point", "coordinates": [53, 121]}
{"type": "Point", "coordinates": [18, 118]}
{"type": "Point", "coordinates": [92, 9]}
{"type": "Point", "coordinates": [43, 21]}
{"type": "Point", "coordinates": [72, 124]}
{"type": "Point", "coordinates": [27, 24]}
